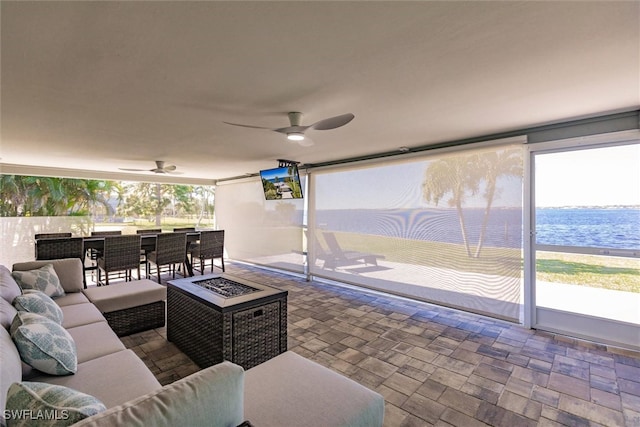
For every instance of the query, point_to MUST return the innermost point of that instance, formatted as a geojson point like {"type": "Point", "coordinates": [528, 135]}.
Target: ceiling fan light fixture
{"type": "Point", "coordinates": [295, 136]}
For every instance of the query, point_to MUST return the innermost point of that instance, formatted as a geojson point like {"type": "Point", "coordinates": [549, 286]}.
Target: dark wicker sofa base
{"type": "Point", "coordinates": [137, 319]}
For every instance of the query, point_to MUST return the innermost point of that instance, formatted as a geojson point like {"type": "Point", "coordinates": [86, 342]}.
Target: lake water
{"type": "Point", "coordinates": [600, 228]}
{"type": "Point", "coordinates": [606, 228]}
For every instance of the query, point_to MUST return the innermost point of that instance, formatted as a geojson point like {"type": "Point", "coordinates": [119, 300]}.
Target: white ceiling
{"type": "Point", "coordinates": [102, 85]}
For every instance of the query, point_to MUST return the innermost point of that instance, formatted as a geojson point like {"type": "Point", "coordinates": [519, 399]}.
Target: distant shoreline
{"type": "Point", "coordinates": [636, 207]}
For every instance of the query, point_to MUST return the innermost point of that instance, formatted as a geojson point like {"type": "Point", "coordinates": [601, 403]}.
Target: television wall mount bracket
{"type": "Point", "coordinates": [287, 163]}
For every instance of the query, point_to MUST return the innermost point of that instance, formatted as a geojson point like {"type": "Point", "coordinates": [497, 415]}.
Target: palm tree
{"type": "Point", "coordinates": [492, 165]}
{"type": "Point", "coordinates": [455, 175]}
{"type": "Point", "coordinates": [12, 195]}
{"type": "Point", "coordinates": [463, 175]}
{"type": "Point", "coordinates": [45, 196]}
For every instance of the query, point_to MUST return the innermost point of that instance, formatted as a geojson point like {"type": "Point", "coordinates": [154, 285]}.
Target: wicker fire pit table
{"type": "Point", "coordinates": [218, 317]}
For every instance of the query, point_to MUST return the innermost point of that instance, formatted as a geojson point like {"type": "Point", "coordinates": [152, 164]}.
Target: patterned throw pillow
{"type": "Point", "coordinates": [43, 279]}
{"type": "Point", "coordinates": [38, 302]}
{"type": "Point", "coordinates": [24, 317]}
{"type": "Point", "coordinates": [45, 345]}
{"type": "Point", "coordinates": [45, 404]}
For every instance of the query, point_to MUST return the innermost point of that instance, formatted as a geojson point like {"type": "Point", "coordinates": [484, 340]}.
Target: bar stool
{"type": "Point", "coordinates": [210, 247]}
{"type": "Point", "coordinates": [51, 235]}
{"type": "Point", "coordinates": [170, 250]}
{"type": "Point", "coordinates": [144, 253]}
{"type": "Point", "coordinates": [121, 253]}
{"type": "Point", "coordinates": [62, 247]}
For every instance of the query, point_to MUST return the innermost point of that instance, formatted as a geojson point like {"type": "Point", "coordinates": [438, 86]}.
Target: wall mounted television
{"type": "Point", "coordinates": [281, 183]}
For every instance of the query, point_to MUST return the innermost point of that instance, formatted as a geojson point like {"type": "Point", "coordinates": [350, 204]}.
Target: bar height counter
{"type": "Point", "coordinates": [240, 321]}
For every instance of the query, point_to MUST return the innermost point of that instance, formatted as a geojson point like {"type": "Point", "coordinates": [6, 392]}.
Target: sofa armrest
{"type": "Point", "coordinates": [211, 397]}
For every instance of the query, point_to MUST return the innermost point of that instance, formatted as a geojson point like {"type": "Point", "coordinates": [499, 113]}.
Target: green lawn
{"type": "Point", "coordinates": [615, 273]}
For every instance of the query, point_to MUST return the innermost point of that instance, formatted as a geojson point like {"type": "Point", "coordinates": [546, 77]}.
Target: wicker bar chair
{"type": "Point", "coordinates": [61, 247]}
{"type": "Point", "coordinates": [170, 250]}
{"type": "Point", "coordinates": [149, 231]}
{"type": "Point", "coordinates": [106, 233]}
{"type": "Point", "coordinates": [94, 254]}
{"type": "Point", "coordinates": [51, 235]}
{"type": "Point", "coordinates": [121, 253]}
{"type": "Point", "coordinates": [187, 230]}
{"type": "Point", "coordinates": [210, 247]}
{"type": "Point", "coordinates": [144, 253]}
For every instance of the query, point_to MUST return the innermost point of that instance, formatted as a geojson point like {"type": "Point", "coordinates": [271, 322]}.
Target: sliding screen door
{"type": "Point", "coordinates": [586, 240]}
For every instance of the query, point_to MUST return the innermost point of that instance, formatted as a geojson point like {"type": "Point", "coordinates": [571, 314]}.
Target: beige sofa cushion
{"type": "Point", "coordinates": [120, 296]}
{"type": "Point", "coordinates": [71, 299]}
{"type": "Point", "coordinates": [95, 340]}
{"type": "Point", "coordinates": [211, 397]}
{"type": "Point", "coordinates": [80, 314]}
{"type": "Point", "coordinates": [9, 289]}
{"type": "Point", "coordinates": [96, 377]}
{"type": "Point", "coordinates": [7, 313]}
{"type": "Point", "coordinates": [69, 271]}
{"type": "Point", "coordinates": [291, 390]}
{"type": "Point", "coordinates": [10, 365]}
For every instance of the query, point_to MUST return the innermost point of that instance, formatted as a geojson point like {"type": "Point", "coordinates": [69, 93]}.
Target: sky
{"type": "Point", "coordinates": [397, 186]}
{"type": "Point", "coordinates": [593, 177]}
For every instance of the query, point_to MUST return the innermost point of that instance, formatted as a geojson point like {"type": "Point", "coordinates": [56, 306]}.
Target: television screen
{"type": "Point", "coordinates": [281, 183]}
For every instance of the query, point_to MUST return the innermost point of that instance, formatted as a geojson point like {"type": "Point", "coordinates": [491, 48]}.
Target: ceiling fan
{"type": "Point", "coordinates": [160, 168]}
{"type": "Point", "coordinates": [295, 132]}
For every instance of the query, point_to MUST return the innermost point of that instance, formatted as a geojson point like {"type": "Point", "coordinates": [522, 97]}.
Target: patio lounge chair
{"type": "Point", "coordinates": [336, 257]}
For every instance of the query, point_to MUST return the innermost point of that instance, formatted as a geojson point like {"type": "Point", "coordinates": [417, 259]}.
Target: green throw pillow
{"type": "Point", "coordinates": [45, 345]}
{"type": "Point", "coordinates": [34, 301]}
{"type": "Point", "coordinates": [42, 404]}
{"type": "Point", "coordinates": [43, 279]}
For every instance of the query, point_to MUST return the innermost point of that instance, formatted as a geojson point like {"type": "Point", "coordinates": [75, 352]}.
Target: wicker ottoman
{"type": "Point", "coordinates": [130, 307]}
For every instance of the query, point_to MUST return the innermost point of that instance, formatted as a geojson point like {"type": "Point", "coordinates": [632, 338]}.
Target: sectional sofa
{"type": "Point", "coordinates": [89, 378]}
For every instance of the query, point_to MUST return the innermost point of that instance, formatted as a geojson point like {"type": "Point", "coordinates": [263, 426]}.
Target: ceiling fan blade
{"type": "Point", "coordinates": [247, 126]}
{"type": "Point", "coordinates": [165, 171]}
{"type": "Point", "coordinates": [333, 122]}
{"type": "Point", "coordinates": [160, 168]}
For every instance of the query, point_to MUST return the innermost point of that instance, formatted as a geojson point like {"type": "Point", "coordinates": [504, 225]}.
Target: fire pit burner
{"type": "Point", "coordinates": [226, 288]}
